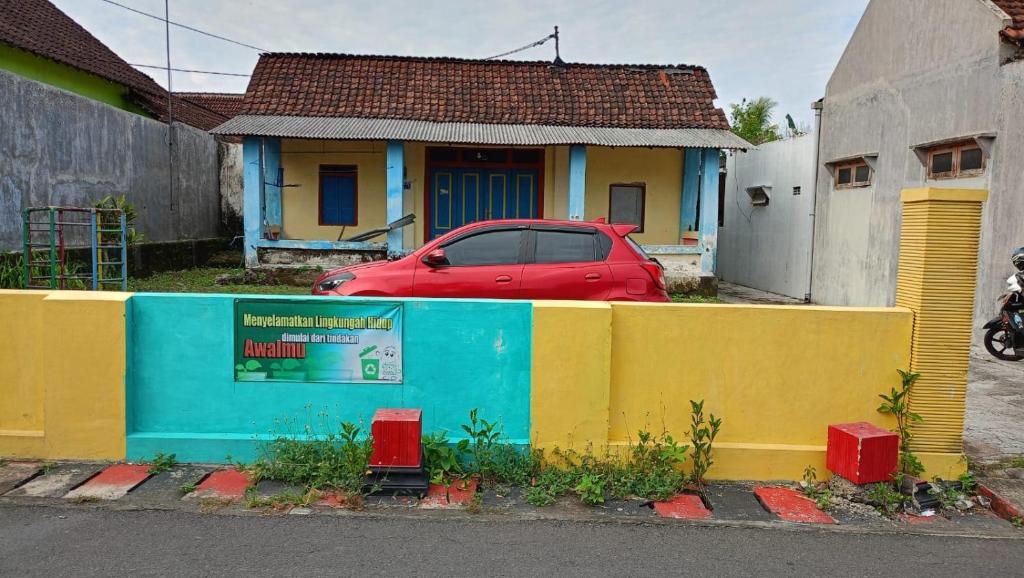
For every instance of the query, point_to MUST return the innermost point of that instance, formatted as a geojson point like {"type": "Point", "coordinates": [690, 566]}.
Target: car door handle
{"type": "Point", "coordinates": [592, 276]}
{"type": "Point", "coordinates": [503, 279]}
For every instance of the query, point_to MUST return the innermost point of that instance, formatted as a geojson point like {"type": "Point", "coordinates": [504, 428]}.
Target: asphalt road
{"type": "Point", "coordinates": [45, 541]}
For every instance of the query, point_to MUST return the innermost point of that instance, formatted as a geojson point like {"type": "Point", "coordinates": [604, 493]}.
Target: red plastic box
{"type": "Point", "coordinates": [862, 453]}
{"type": "Point", "coordinates": [396, 438]}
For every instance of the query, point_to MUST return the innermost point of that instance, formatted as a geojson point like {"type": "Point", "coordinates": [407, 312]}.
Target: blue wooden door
{"type": "Point", "coordinates": [464, 195]}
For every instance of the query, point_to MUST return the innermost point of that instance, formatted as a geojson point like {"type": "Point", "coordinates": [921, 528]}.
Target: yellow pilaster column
{"type": "Point", "coordinates": [938, 267]}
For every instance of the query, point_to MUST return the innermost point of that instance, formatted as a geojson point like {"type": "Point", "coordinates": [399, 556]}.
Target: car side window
{"type": "Point", "coordinates": [565, 247]}
{"type": "Point", "coordinates": [488, 248]}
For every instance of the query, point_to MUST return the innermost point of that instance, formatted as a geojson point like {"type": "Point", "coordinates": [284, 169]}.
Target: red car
{"type": "Point", "coordinates": [513, 259]}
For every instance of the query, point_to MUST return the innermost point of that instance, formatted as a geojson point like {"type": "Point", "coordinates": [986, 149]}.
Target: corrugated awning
{"type": "Point", "coordinates": [473, 133]}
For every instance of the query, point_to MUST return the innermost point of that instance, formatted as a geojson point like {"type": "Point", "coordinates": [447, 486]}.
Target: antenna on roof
{"type": "Point", "coordinates": [558, 55]}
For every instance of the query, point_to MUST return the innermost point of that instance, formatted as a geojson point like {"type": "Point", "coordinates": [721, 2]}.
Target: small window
{"type": "Point", "coordinates": [853, 174]}
{"type": "Point", "coordinates": [565, 247]}
{"type": "Point", "coordinates": [956, 161]}
{"type": "Point", "coordinates": [626, 205]}
{"type": "Point", "coordinates": [500, 247]}
{"type": "Point", "coordinates": [339, 196]}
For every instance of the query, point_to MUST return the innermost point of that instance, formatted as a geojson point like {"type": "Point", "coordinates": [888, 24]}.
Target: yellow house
{"type": "Point", "coordinates": [377, 153]}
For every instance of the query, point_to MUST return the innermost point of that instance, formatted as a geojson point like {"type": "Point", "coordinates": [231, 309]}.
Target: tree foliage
{"type": "Point", "coordinates": [752, 120]}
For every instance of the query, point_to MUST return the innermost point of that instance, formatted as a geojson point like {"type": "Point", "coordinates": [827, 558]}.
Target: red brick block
{"type": "Point", "coordinates": [684, 506]}
{"type": "Point", "coordinates": [792, 506]}
{"type": "Point", "coordinates": [224, 484]}
{"type": "Point", "coordinates": [458, 495]}
{"type": "Point", "coordinates": [396, 438]}
{"type": "Point", "coordinates": [112, 483]}
{"type": "Point", "coordinates": [862, 453]}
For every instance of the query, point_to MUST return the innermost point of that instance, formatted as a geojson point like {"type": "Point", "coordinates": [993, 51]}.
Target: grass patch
{"type": "Point", "coordinates": [683, 298]}
{"type": "Point", "coordinates": [204, 280]}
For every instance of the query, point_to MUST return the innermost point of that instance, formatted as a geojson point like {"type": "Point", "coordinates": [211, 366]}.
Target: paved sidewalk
{"type": "Point", "coordinates": [994, 427]}
{"type": "Point", "coordinates": [732, 293]}
{"type": "Point", "coordinates": [224, 490]}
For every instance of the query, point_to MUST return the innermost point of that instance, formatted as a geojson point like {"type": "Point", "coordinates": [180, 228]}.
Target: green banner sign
{"type": "Point", "coordinates": [318, 340]}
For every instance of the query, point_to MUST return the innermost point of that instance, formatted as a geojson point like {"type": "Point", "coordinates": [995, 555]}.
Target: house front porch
{"type": "Point", "coordinates": [315, 200]}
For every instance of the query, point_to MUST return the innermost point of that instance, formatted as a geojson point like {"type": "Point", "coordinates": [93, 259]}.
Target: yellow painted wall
{"type": "Point", "coordinates": [777, 376]}
{"type": "Point", "coordinates": [661, 170]}
{"type": "Point", "coordinates": [570, 375]}
{"type": "Point", "coordinates": [21, 373]}
{"type": "Point", "coordinates": [73, 355]}
{"type": "Point", "coordinates": [301, 160]}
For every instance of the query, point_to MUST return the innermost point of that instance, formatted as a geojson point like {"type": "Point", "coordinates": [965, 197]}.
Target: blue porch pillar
{"type": "Point", "coordinates": [692, 159]}
{"type": "Point", "coordinates": [395, 187]}
{"type": "Point", "coordinates": [252, 198]}
{"type": "Point", "coordinates": [709, 210]}
{"type": "Point", "coordinates": [261, 193]}
{"type": "Point", "coordinates": [272, 182]}
{"type": "Point", "coordinates": [577, 181]}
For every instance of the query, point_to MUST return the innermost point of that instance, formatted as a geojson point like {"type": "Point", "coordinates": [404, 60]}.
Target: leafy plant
{"type": "Point", "coordinates": [897, 404]}
{"type": "Point", "coordinates": [591, 489]}
{"type": "Point", "coordinates": [331, 460]}
{"type": "Point", "coordinates": [12, 272]}
{"type": "Point", "coordinates": [161, 463]}
{"type": "Point", "coordinates": [967, 482]}
{"type": "Point", "coordinates": [702, 435]}
{"type": "Point", "coordinates": [111, 221]}
{"type": "Point", "coordinates": [886, 499]}
{"type": "Point", "coordinates": [483, 436]}
{"type": "Point", "coordinates": [812, 489]}
{"type": "Point", "coordinates": [652, 469]}
{"type": "Point", "coordinates": [443, 463]}
{"type": "Point", "coordinates": [752, 120]}
{"type": "Point", "coordinates": [186, 489]}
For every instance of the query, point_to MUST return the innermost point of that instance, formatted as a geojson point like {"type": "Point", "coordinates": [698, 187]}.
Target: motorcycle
{"type": "Point", "coordinates": [1004, 335]}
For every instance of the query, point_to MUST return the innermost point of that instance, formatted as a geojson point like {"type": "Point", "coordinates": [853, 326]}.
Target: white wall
{"type": "Point", "coordinates": [768, 248]}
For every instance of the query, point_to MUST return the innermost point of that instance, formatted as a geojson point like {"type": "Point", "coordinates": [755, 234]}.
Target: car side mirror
{"type": "Point", "coordinates": [435, 258]}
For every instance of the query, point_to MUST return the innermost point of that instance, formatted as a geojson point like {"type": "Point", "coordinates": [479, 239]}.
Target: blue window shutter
{"type": "Point", "coordinates": [338, 199]}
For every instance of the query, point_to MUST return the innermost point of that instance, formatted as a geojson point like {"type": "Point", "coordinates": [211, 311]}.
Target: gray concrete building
{"type": "Point", "coordinates": [927, 93]}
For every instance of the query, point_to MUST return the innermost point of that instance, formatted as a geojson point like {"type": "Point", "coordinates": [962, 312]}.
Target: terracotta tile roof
{"type": "Point", "coordinates": [479, 91]}
{"type": "Point", "coordinates": [227, 104]}
{"type": "Point", "coordinates": [39, 27]}
{"type": "Point", "coordinates": [1015, 9]}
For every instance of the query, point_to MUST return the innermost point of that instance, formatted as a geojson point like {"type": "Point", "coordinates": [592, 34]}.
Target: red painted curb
{"type": "Point", "coordinates": [683, 506]}
{"type": "Point", "coordinates": [112, 483]}
{"type": "Point", "coordinates": [1000, 505]}
{"type": "Point", "coordinates": [458, 495]}
{"type": "Point", "coordinates": [229, 484]}
{"type": "Point", "coordinates": [791, 505]}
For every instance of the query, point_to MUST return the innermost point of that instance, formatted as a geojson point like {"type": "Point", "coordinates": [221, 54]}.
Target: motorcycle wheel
{"type": "Point", "coordinates": [1000, 345]}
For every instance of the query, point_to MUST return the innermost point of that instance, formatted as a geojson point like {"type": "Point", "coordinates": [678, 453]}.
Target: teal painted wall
{"type": "Point", "coordinates": [181, 397]}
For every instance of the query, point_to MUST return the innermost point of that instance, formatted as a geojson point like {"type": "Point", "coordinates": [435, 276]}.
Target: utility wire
{"type": "Point", "coordinates": [189, 70]}
{"type": "Point", "coordinates": [520, 49]}
{"type": "Point", "coordinates": [186, 27]}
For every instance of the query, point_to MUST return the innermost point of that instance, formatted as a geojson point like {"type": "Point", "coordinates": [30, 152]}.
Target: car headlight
{"type": "Point", "coordinates": [334, 281]}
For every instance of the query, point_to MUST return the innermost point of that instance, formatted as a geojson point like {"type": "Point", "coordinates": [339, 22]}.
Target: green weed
{"type": "Point", "coordinates": [886, 499]}
{"type": "Point", "coordinates": [162, 463]}
{"type": "Point", "coordinates": [186, 489]}
{"type": "Point", "coordinates": [334, 460]}
{"type": "Point", "coordinates": [897, 404]}
{"type": "Point", "coordinates": [590, 489]}
{"type": "Point", "coordinates": [821, 496]}
{"type": "Point", "coordinates": [702, 435]}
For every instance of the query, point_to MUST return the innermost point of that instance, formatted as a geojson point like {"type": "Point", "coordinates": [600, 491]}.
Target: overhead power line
{"type": "Point", "coordinates": [185, 26]}
{"type": "Point", "coordinates": [553, 35]}
{"type": "Point", "coordinates": [190, 70]}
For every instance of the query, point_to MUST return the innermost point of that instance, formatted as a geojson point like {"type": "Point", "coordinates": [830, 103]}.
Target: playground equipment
{"type": "Point", "coordinates": [56, 238]}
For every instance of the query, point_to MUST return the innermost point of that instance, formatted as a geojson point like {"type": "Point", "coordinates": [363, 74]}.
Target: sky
{"type": "Point", "coordinates": [783, 49]}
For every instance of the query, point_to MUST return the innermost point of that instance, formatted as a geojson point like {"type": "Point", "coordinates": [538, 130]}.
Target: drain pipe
{"type": "Point", "coordinates": [817, 106]}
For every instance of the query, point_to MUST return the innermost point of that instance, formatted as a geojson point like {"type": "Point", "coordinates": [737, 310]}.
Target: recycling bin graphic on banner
{"type": "Point", "coordinates": [318, 341]}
